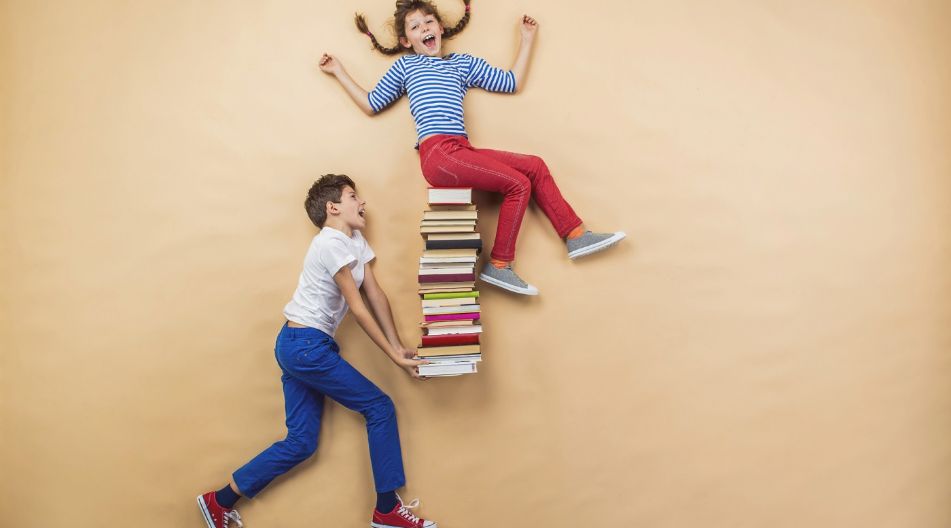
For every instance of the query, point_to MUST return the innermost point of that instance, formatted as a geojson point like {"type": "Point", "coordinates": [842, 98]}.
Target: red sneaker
{"type": "Point", "coordinates": [216, 515]}
{"type": "Point", "coordinates": [400, 517]}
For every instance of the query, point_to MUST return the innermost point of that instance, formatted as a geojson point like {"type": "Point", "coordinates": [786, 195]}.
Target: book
{"type": "Point", "coordinates": [454, 244]}
{"type": "Point", "coordinates": [453, 236]}
{"type": "Point", "coordinates": [464, 308]}
{"type": "Point", "coordinates": [451, 214]}
{"type": "Point", "coordinates": [442, 264]}
{"type": "Point", "coordinates": [451, 270]}
{"type": "Point", "coordinates": [430, 303]}
{"type": "Point", "coordinates": [450, 339]}
{"type": "Point", "coordinates": [452, 207]}
{"type": "Point", "coordinates": [449, 253]}
{"type": "Point", "coordinates": [451, 350]}
{"type": "Point", "coordinates": [445, 287]}
{"type": "Point", "coordinates": [461, 223]}
{"type": "Point", "coordinates": [437, 260]}
{"type": "Point", "coordinates": [446, 229]}
{"type": "Point", "coordinates": [450, 195]}
{"type": "Point", "coordinates": [447, 278]}
{"type": "Point", "coordinates": [452, 317]}
{"type": "Point", "coordinates": [440, 324]}
{"type": "Point", "coordinates": [456, 295]}
{"type": "Point", "coordinates": [452, 330]}
{"type": "Point", "coordinates": [457, 368]}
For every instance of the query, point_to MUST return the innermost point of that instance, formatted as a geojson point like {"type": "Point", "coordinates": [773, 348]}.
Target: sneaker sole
{"type": "Point", "coordinates": [205, 513]}
{"type": "Point", "coordinates": [506, 286]}
{"type": "Point", "coordinates": [600, 246]}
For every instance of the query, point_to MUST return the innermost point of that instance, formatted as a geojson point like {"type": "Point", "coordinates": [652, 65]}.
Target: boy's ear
{"type": "Point", "coordinates": [332, 208]}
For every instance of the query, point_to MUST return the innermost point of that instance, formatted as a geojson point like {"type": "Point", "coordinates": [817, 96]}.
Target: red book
{"type": "Point", "coordinates": [452, 339]}
{"type": "Point", "coordinates": [455, 277]}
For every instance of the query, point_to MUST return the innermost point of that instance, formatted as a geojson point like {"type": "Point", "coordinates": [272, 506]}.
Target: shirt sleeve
{"type": "Point", "coordinates": [390, 88]}
{"type": "Point", "coordinates": [334, 255]}
{"type": "Point", "coordinates": [366, 252]}
{"type": "Point", "coordinates": [490, 78]}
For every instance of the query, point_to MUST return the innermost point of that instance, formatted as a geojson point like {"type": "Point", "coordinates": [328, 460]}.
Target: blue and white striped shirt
{"type": "Point", "coordinates": [436, 87]}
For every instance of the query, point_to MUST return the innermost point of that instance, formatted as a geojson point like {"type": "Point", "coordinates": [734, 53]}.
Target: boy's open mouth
{"type": "Point", "coordinates": [430, 41]}
{"type": "Point", "coordinates": [362, 213]}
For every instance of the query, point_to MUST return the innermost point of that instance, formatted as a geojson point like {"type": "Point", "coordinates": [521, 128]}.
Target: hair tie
{"type": "Point", "coordinates": [369, 34]}
{"type": "Point", "coordinates": [467, 8]}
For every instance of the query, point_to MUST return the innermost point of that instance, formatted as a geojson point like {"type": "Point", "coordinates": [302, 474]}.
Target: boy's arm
{"type": "Point", "coordinates": [330, 64]}
{"type": "Point", "coordinates": [528, 29]}
{"type": "Point", "coordinates": [380, 306]}
{"type": "Point", "coordinates": [348, 287]}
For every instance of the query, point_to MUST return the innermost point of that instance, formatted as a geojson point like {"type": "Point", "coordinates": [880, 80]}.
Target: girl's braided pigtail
{"type": "Point", "coordinates": [450, 32]}
{"type": "Point", "coordinates": [362, 26]}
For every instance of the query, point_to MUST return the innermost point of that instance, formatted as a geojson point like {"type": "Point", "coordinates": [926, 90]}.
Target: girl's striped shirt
{"type": "Point", "coordinates": [436, 87]}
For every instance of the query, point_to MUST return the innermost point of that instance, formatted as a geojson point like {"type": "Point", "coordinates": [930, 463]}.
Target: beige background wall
{"type": "Point", "coordinates": [770, 348]}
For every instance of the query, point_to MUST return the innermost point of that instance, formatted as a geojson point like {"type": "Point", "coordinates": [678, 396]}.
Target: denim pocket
{"type": "Point", "coordinates": [314, 354]}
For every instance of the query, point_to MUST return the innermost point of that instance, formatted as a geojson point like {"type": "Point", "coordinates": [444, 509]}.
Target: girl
{"type": "Point", "coordinates": [436, 85]}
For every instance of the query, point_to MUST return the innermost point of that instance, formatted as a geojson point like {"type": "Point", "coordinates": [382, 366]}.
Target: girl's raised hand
{"type": "Point", "coordinates": [329, 64]}
{"type": "Point", "coordinates": [529, 26]}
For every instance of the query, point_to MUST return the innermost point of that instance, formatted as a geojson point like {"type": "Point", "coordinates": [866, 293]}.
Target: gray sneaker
{"type": "Point", "coordinates": [589, 243]}
{"type": "Point", "coordinates": [507, 279]}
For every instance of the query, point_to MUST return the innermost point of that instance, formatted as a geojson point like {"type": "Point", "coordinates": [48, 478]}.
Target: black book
{"type": "Point", "coordinates": [454, 244]}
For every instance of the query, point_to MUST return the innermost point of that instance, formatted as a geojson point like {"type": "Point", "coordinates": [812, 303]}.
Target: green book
{"type": "Point", "coordinates": [453, 295]}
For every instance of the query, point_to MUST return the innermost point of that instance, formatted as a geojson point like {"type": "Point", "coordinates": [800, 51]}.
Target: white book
{"type": "Point", "coordinates": [450, 302]}
{"type": "Point", "coordinates": [454, 330]}
{"type": "Point", "coordinates": [446, 195]}
{"type": "Point", "coordinates": [458, 214]}
{"type": "Point", "coordinates": [461, 358]}
{"type": "Point", "coordinates": [463, 308]}
{"type": "Point", "coordinates": [447, 369]}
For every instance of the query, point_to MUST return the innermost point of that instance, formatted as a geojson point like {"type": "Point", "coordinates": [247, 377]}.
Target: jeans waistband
{"type": "Point", "coordinates": [439, 138]}
{"type": "Point", "coordinates": [295, 333]}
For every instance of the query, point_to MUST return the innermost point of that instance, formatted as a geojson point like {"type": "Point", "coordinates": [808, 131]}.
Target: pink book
{"type": "Point", "coordinates": [452, 317]}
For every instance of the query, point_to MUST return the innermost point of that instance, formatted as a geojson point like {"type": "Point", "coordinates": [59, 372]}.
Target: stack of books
{"type": "Point", "coordinates": [451, 309]}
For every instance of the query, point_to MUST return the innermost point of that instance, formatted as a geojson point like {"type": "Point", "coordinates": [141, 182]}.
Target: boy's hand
{"type": "Point", "coordinates": [410, 365]}
{"type": "Point", "coordinates": [529, 27]}
{"type": "Point", "coordinates": [329, 64]}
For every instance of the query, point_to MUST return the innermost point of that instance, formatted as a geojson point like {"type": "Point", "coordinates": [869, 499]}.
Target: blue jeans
{"type": "Point", "coordinates": [312, 368]}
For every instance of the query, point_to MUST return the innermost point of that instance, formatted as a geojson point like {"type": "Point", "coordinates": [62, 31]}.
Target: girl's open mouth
{"type": "Point", "coordinates": [430, 41]}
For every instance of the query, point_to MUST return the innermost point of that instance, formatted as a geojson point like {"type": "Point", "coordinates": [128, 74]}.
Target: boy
{"type": "Point", "coordinates": [335, 268]}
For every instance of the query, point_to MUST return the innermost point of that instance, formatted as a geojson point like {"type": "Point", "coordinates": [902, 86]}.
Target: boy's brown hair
{"type": "Point", "coordinates": [329, 188]}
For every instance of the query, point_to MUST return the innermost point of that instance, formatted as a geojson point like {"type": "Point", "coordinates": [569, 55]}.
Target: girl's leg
{"type": "Point", "coordinates": [544, 189]}
{"type": "Point", "coordinates": [452, 162]}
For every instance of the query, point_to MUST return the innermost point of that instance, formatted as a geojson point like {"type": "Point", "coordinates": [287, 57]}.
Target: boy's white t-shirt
{"type": "Point", "coordinates": [317, 302]}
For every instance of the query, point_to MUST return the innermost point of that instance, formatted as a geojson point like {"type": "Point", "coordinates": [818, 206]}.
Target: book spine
{"type": "Point", "coordinates": [452, 317]}
{"type": "Point", "coordinates": [450, 339]}
{"type": "Point", "coordinates": [457, 295]}
{"type": "Point", "coordinates": [454, 244]}
{"type": "Point", "coordinates": [460, 277]}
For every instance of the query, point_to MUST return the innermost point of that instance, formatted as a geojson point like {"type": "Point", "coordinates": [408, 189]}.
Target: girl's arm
{"type": "Point", "coordinates": [528, 29]}
{"type": "Point", "coordinates": [348, 287]}
{"type": "Point", "coordinates": [330, 64]}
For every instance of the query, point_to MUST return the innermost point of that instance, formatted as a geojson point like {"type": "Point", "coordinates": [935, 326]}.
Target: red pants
{"type": "Point", "coordinates": [450, 161]}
